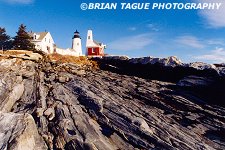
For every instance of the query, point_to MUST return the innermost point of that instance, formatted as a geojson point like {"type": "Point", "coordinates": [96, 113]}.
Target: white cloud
{"type": "Point", "coordinates": [132, 28]}
{"type": "Point", "coordinates": [152, 27]}
{"type": "Point", "coordinates": [215, 56]}
{"type": "Point", "coordinates": [137, 42]}
{"type": "Point", "coordinates": [190, 41]}
{"type": "Point", "coordinates": [217, 42]}
{"type": "Point", "coordinates": [18, 1]}
{"type": "Point", "coordinates": [214, 18]}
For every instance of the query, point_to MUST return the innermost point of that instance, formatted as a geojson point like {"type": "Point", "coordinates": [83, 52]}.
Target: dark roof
{"type": "Point", "coordinates": [42, 35]}
{"type": "Point", "coordinates": [97, 43]}
{"type": "Point", "coordinates": [77, 32]}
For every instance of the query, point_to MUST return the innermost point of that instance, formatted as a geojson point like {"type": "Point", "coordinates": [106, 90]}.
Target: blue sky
{"type": "Point", "coordinates": [191, 35]}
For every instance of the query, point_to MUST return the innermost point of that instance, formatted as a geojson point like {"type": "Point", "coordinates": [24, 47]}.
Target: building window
{"type": "Point", "coordinates": [89, 37]}
{"type": "Point", "coordinates": [93, 50]}
{"type": "Point", "coordinates": [48, 49]}
{"type": "Point", "coordinates": [35, 37]}
{"type": "Point", "coordinates": [78, 44]}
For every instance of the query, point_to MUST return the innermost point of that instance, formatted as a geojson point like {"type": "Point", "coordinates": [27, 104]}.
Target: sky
{"type": "Point", "coordinates": [191, 35]}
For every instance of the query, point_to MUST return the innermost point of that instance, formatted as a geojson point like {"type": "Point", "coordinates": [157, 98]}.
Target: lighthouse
{"type": "Point", "coordinates": [89, 41]}
{"type": "Point", "coordinates": [94, 48]}
{"type": "Point", "coordinates": [76, 45]}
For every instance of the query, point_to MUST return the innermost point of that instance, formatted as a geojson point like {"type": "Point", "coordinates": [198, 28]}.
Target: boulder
{"type": "Point", "coordinates": [19, 132]}
{"type": "Point", "coordinates": [13, 96]}
{"type": "Point", "coordinates": [50, 113]}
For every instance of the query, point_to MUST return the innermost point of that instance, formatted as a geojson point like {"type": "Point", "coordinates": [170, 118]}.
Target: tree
{"type": "Point", "coordinates": [5, 40]}
{"type": "Point", "coordinates": [22, 41]}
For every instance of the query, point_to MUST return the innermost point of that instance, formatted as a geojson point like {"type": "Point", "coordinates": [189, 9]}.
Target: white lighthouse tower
{"type": "Point", "coordinates": [76, 45]}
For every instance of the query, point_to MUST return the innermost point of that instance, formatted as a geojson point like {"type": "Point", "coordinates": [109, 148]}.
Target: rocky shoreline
{"type": "Point", "coordinates": [204, 80]}
{"type": "Point", "coordinates": [51, 105]}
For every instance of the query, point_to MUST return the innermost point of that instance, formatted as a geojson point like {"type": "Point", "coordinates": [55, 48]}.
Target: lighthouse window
{"type": "Point", "coordinates": [89, 37]}
{"type": "Point", "coordinates": [77, 44]}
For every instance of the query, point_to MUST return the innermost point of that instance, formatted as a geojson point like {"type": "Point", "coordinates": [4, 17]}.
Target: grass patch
{"type": "Point", "coordinates": [80, 60]}
{"type": "Point", "coordinates": [15, 52]}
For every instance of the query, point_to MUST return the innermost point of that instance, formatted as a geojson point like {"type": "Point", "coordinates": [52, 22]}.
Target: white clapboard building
{"type": "Point", "coordinates": [43, 41]}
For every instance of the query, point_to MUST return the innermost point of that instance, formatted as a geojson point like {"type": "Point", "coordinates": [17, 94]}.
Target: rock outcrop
{"type": "Point", "coordinates": [52, 105]}
{"type": "Point", "coordinates": [19, 131]}
{"type": "Point", "coordinates": [188, 77]}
